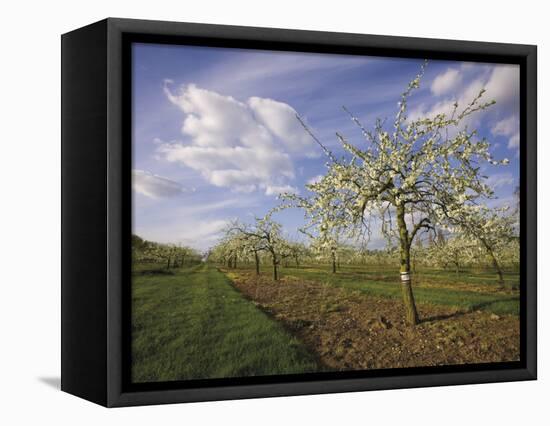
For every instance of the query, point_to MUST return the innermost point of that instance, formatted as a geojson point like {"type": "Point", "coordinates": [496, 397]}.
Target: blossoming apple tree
{"type": "Point", "coordinates": [263, 236]}
{"type": "Point", "coordinates": [493, 229]}
{"type": "Point", "coordinates": [428, 169]}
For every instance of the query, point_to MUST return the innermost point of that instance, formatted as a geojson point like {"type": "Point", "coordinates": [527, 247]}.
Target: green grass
{"type": "Point", "coordinates": [193, 324]}
{"type": "Point", "coordinates": [383, 281]}
{"type": "Point", "coordinates": [422, 275]}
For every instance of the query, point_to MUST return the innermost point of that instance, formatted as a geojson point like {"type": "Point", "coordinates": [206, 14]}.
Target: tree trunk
{"type": "Point", "coordinates": [496, 265]}
{"type": "Point", "coordinates": [168, 264]}
{"type": "Point", "coordinates": [405, 255]}
{"type": "Point", "coordinates": [257, 260]}
{"type": "Point", "coordinates": [333, 254]}
{"type": "Point", "coordinates": [275, 272]}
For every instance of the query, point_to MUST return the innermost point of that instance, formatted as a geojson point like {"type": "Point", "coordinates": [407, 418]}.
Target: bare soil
{"type": "Point", "coordinates": [348, 330]}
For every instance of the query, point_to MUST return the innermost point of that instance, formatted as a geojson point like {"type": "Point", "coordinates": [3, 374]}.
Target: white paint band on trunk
{"type": "Point", "coordinates": [405, 276]}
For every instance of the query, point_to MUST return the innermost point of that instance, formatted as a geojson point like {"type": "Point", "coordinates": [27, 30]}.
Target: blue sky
{"type": "Point", "coordinates": [215, 135]}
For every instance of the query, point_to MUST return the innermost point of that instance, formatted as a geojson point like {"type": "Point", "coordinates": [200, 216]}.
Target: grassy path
{"type": "Point", "coordinates": [194, 324]}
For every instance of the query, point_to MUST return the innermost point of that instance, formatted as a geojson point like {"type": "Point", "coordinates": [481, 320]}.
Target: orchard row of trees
{"type": "Point", "coordinates": [163, 255]}
{"type": "Point", "coordinates": [409, 177]}
{"type": "Point", "coordinates": [261, 240]}
{"type": "Point", "coordinates": [262, 243]}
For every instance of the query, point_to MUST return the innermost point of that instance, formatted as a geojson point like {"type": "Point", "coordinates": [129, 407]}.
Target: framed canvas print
{"type": "Point", "coordinates": [252, 212]}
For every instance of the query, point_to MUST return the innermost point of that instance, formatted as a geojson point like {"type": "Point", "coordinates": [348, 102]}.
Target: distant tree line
{"type": "Point", "coordinates": [262, 243]}
{"type": "Point", "coordinates": [166, 256]}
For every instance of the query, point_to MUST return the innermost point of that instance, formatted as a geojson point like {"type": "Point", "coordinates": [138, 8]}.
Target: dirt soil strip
{"type": "Point", "coordinates": [348, 330]}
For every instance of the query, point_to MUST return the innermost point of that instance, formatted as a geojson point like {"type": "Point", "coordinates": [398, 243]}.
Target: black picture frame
{"type": "Point", "coordinates": [96, 211]}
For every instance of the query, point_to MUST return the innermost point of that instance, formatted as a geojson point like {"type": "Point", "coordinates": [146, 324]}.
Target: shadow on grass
{"type": "Point", "coordinates": [483, 306]}
{"type": "Point", "coordinates": [442, 317]}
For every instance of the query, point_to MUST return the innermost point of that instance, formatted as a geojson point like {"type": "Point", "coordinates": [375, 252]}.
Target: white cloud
{"type": "Point", "coordinates": [199, 222]}
{"type": "Point", "coordinates": [280, 189]}
{"type": "Point", "coordinates": [314, 179]}
{"type": "Point", "coordinates": [446, 106]}
{"type": "Point", "coordinates": [503, 85]}
{"type": "Point", "coordinates": [193, 231]}
{"type": "Point", "coordinates": [280, 119]}
{"type": "Point", "coordinates": [500, 179]}
{"type": "Point", "coordinates": [505, 127]}
{"type": "Point", "coordinates": [496, 203]}
{"type": "Point", "coordinates": [286, 72]}
{"type": "Point", "coordinates": [154, 186]}
{"type": "Point", "coordinates": [207, 232]}
{"type": "Point", "coordinates": [513, 142]}
{"type": "Point", "coordinates": [508, 127]}
{"type": "Point", "coordinates": [244, 146]}
{"type": "Point", "coordinates": [424, 110]}
{"type": "Point", "coordinates": [446, 82]}
{"type": "Point", "coordinates": [200, 209]}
